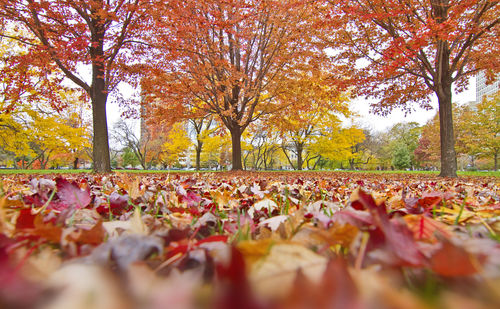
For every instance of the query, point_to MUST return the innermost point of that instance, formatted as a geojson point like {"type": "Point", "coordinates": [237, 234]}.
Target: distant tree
{"type": "Point", "coordinates": [407, 133]}
{"type": "Point", "coordinates": [401, 156]}
{"type": "Point", "coordinates": [128, 158]}
{"type": "Point", "coordinates": [143, 148]}
{"type": "Point", "coordinates": [175, 146]}
{"type": "Point", "coordinates": [339, 144]}
{"type": "Point", "coordinates": [487, 128]}
{"type": "Point", "coordinates": [203, 128]}
{"type": "Point", "coordinates": [315, 108]}
{"type": "Point", "coordinates": [478, 129]}
{"type": "Point", "coordinates": [261, 146]}
{"type": "Point", "coordinates": [428, 148]}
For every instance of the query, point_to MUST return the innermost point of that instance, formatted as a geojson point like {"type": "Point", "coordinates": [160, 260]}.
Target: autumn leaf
{"type": "Point", "coordinates": [71, 195]}
{"type": "Point", "coordinates": [451, 260]}
{"type": "Point", "coordinates": [335, 290]}
{"type": "Point", "coordinates": [393, 233]}
{"type": "Point", "coordinates": [235, 289]}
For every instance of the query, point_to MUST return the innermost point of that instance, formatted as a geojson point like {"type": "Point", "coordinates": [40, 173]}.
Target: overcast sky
{"type": "Point", "coordinates": [379, 123]}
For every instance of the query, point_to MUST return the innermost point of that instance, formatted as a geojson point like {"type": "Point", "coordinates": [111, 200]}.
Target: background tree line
{"type": "Point", "coordinates": [245, 60]}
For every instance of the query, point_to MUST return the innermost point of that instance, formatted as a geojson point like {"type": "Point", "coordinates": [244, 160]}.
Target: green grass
{"type": "Point", "coordinates": [479, 173]}
{"type": "Point", "coordinates": [158, 171]}
{"type": "Point", "coordinates": [19, 171]}
{"type": "Point", "coordinates": [459, 173]}
{"type": "Point", "coordinates": [71, 171]}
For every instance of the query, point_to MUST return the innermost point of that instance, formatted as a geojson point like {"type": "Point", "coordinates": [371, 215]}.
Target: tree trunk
{"type": "Point", "coordinates": [495, 167]}
{"type": "Point", "coordinates": [300, 148]}
{"type": "Point", "coordinates": [99, 96]}
{"type": "Point", "coordinates": [236, 149]}
{"type": "Point", "coordinates": [75, 163]}
{"type": "Point", "coordinates": [43, 163]}
{"type": "Point", "coordinates": [448, 154]}
{"type": "Point", "coordinates": [198, 155]}
{"type": "Point", "coordinates": [100, 152]}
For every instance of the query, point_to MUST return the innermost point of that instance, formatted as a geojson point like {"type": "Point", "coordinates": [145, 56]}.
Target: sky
{"type": "Point", "coordinates": [379, 123]}
{"type": "Point", "coordinates": [360, 106]}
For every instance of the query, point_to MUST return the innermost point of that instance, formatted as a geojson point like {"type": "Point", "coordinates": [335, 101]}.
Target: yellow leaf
{"type": "Point", "coordinates": [273, 275]}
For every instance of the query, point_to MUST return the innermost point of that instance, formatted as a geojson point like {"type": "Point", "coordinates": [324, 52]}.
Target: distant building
{"type": "Point", "coordinates": [482, 89]}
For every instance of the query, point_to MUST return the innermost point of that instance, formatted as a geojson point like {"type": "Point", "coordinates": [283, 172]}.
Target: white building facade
{"type": "Point", "coordinates": [482, 89]}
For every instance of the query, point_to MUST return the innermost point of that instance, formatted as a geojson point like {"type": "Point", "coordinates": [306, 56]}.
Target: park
{"type": "Point", "coordinates": [237, 172]}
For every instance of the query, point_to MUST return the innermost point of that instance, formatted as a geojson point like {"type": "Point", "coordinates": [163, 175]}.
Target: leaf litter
{"type": "Point", "coordinates": [249, 240]}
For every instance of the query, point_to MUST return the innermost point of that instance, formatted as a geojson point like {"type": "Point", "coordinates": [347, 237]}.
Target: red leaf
{"type": "Point", "coordinates": [452, 261]}
{"type": "Point", "coordinates": [336, 290]}
{"type": "Point", "coordinates": [25, 220]}
{"type": "Point", "coordinates": [118, 203]}
{"type": "Point", "coordinates": [15, 291]}
{"type": "Point", "coordinates": [71, 195]}
{"type": "Point", "coordinates": [236, 292]}
{"type": "Point", "coordinates": [213, 238]}
{"type": "Point", "coordinates": [398, 237]}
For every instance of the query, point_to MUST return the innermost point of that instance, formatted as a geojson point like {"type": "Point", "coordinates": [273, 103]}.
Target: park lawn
{"type": "Point", "coordinates": [139, 171]}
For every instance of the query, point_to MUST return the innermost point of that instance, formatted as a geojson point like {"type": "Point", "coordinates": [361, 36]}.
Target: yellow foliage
{"type": "Point", "coordinates": [176, 145]}
{"type": "Point", "coordinates": [337, 144]}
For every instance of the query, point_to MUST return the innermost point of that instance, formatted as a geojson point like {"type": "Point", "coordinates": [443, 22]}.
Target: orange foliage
{"type": "Point", "coordinates": [230, 59]}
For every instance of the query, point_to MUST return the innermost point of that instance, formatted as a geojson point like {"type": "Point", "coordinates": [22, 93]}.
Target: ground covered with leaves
{"type": "Point", "coordinates": [249, 240]}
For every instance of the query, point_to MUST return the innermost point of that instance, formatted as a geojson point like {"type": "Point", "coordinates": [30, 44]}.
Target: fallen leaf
{"type": "Point", "coordinates": [273, 275]}
{"type": "Point", "coordinates": [125, 250]}
{"type": "Point", "coordinates": [70, 194]}
{"type": "Point", "coordinates": [451, 260]}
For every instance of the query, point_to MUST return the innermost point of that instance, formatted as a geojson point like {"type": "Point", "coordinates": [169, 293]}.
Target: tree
{"type": "Point", "coordinates": [427, 150]}
{"type": "Point", "coordinates": [14, 138]}
{"type": "Point", "coordinates": [316, 109]}
{"type": "Point", "coordinates": [261, 146]}
{"type": "Point", "coordinates": [77, 116]}
{"type": "Point", "coordinates": [215, 150]}
{"type": "Point", "coordinates": [300, 131]}
{"type": "Point", "coordinates": [203, 128]}
{"type": "Point", "coordinates": [360, 141]}
{"type": "Point", "coordinates": [401, 158]}
{"type": "Point", "coordinates": [365, 152]}
{"type": "Point", "coordinates": [339, 144]}
{"type": "Point", "coordinates": [407, 133]}
{"type": "Point", "coordinates": [128, 158]}
{"type": "Point", "coordinates": [415, 48]}
{"type": "Point", "coordinates": [479, 129]}
{"type": "Point", "coordinates": [96, 35]}
{"type": "Point", "coordinates": [466, 135]}
{"type": "Point", "coordinates": [37, 133]}
{"type": "Point", "coordinates": [487, 127]}
{"type": "Point", "coordinates": [143, 147]}
{"type": "Point", "coordinates": [231, 58]}
{"type": "Point", "coordinates": [175, 146]}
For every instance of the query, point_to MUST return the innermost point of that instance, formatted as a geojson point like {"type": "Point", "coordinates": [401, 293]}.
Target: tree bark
{"type": "Point", "coordinates": [198, 154]}
{"type": "Point", "coordinates": [442, 87]}
{"type": "Point", "coordinates": [99, 96]}
{"type": "Point", "coordinates": [100, 152]}
{"type": "Point", "coordinates": [300, 148]}
{"type": "Point", "coordinates": [495, 167]}
{"type": "Point", "coordinates": [448, 154]}
{"type": "Point", "coordinates": [236, 149]}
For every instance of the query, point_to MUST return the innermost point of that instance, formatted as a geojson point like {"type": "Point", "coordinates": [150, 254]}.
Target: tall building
{"type": "Point", "coordinates": [482, 89]}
